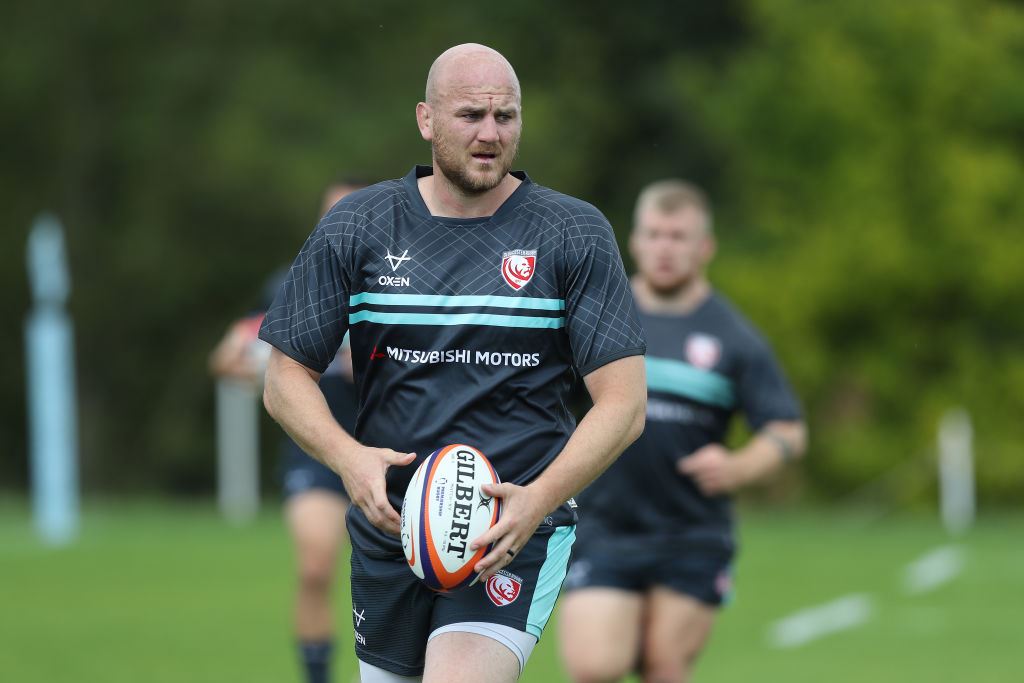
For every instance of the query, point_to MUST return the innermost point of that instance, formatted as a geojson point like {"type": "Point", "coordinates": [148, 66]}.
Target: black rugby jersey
{"type": "Point", "coordinates": [462, 330]}
{"type": "Point", "coordinates": [702, 368]}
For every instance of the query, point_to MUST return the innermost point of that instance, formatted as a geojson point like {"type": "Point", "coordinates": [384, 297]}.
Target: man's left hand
{"type": "Point", "coordinates": [521, 513]}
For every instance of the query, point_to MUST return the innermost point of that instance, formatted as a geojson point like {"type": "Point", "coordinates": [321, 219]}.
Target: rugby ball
{"type": "Point", "coordinates": [444, 511]}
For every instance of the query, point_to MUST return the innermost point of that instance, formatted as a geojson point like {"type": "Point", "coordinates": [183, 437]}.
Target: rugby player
{"type": "Point", "coordinates": [315, 501]}
{"type": "Point", "coordinates": [653, 561]}
{"type": "Point", "coordinates": [472, 295]}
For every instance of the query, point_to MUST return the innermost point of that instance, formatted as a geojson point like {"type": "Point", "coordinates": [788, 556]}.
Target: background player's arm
{"type": "Point", "coordinates": [293, 398]}
{"type": "Point", "coordinates": [232, 358]}
{"type": "Point", "coordinates": [716, 470]}
{"type": "Point", "coordinates": [619, 392]}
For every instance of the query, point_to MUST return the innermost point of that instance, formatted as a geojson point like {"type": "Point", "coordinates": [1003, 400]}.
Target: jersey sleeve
{"type": "Point", "coordinates": [600, 314]}
{"type": "Point", "coordinates": [764, 393]}
{"type": "Point", "coordinates": [308, 317]}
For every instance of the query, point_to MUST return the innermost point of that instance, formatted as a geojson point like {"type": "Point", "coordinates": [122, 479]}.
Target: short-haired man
{"type": "Point", "coordinates": [517, 287]}
{"type": "Point", "coordinates": [653, 561]}
{"type": "Point", "coordinates": [315, 501]}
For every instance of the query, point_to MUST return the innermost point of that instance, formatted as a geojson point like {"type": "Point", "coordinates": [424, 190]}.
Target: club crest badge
{"type": "Point", "coordinates": [517, 267]}
{"type": "Point", "coordinates": [503, 588]}
{"type": "Point", "coordinates": [702, 351]}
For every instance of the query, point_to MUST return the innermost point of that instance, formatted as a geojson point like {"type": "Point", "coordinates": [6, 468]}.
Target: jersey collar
{"type": "Point", "coordinates": [420, 207]}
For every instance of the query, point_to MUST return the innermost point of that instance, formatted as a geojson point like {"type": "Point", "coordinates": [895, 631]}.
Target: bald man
{"type": "Point", "coordinates": [502, 290]}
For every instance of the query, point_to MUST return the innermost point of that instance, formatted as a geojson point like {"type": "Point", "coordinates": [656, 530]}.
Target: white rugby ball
{"type": "Point", "coordinates": [443, 511]}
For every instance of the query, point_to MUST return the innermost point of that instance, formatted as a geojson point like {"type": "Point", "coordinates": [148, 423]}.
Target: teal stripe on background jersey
{"type": "Point", "coordinates": [488, 319]}
{"type": "Point", "coordinates": [549, 580]}
{"type": "Point", "coordinates": [442, 300]}
{"type": "Point", "coordinates": [682, 379]}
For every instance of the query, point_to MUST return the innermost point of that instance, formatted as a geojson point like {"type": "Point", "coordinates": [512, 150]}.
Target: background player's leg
{"type": "Point", "coordinates": [316, 521]}
{"type": "Point", "coordinates": [460, 657]}
{"type": "Point", "coordinates": [599, 631]}
{"type": "Point", "coordinates": [675, 631]}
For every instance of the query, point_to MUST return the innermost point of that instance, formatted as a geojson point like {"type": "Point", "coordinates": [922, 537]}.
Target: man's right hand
{"type": "Point", "coordinates": [362, 469]}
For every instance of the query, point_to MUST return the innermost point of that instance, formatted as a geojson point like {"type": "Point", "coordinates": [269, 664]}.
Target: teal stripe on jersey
{"type": "Point", "coordinates": [488, 319]}
{"type": "Point", "coordinates": [549, 580]}
{"type": "Point", "coordinates": [443, 300]}
{"type": "Point", "coordinates": [682, 379]}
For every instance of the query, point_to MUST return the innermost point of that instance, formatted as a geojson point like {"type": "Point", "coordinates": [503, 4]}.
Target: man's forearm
{"type": "Point", "coordinates": [604, 432]}
{"type": "Point", "coordinates": [293, 398]}
{"type": "Point", "coordinates": [770, 448]}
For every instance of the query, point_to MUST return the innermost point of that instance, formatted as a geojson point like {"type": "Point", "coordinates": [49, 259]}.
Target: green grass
{"type": "Point", "coordinates": [168, 592]}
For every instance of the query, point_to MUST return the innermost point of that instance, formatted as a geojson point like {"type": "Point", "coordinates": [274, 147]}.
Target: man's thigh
{"type": "Point", "coordinates": [676, 630]}
{"type": "Point", "coordinates": [463, 657]}
{"type": "Point", "coordinates": [599, 630]}
{"type": "Point", "coordinates": [316, 521]}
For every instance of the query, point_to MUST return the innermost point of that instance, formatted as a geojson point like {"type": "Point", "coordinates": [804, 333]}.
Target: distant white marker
{"type": "Point", "coordinates": [935, 568]}
{"type": "Point", "coordinates": [816, 622]}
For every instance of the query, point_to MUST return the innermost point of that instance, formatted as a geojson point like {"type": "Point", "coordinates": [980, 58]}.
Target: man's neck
{"type": "Point", "coordinates": [680, 301]}
{"type": "Point", "coordinates": [445, 200]}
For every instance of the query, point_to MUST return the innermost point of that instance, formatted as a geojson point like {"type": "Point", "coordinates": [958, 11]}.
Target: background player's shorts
{"type": "Point", "coordinates": [394, 613]}
{"type": "Point", "coordinates": [301, 473]}
{"type": "Point", "coordinates": [698, 565]}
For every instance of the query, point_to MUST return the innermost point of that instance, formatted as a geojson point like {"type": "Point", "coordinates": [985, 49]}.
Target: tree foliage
{"type": "Point", "coordinates": [865, 161]}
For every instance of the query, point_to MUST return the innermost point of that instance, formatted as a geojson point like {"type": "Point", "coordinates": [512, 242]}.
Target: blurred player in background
{"type": "Point", "coordinates": [512, 286]}
{"type": "Point", "coordinates": [656, 542]}
{"type": "Point", "coordinates": [315, 498]}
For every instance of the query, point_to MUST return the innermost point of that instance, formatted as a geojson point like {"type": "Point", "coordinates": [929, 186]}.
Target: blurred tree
{"type": "Point", "coordinates": [874, 169]}
{"type": "Point", "coordinates": [865, 160]}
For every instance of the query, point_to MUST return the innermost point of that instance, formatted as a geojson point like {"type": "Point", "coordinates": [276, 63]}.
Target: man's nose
{"type": "Point", "coordinates": [488, 131]}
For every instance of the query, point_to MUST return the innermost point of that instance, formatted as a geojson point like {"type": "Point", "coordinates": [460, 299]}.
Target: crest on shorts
{"type": "Point", "coordinates": [702, 351]}
{"type": "Point", "coordinates": [503, 588]}
{"type": "Point", "coordinates": [517, 267]}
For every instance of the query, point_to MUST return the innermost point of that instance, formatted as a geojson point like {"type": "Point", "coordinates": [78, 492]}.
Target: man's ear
{"type": "Point", "coordinates": [424, 121]}
{"type": "Point", "coordinates": [708, 249]}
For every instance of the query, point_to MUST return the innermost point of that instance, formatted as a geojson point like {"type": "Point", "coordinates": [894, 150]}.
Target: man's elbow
{"type": "Point", "coordinates": [800, 440]}
{"type": "Point", "coordinates": [639, 418]}
{"type": "Point", "coordinates": [268, 397]}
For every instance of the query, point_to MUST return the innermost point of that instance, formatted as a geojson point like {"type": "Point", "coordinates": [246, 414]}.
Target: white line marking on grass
{"type": "Point", "coordinates": [816, 622]}
{"type": "Point", "coordinates": [933, 569]}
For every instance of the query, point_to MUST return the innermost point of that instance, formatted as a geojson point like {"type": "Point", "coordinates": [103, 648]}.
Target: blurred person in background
{"type": "Point", "coordinates": [656, 540]}
{"type": "Point", "coordinates": [315, 500]}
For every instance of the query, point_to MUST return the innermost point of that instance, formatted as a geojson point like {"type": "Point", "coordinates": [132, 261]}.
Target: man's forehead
{"type": "Point", "coordinates": [500, 97]}
{"type": "Point", "coordinates": [684, 217]}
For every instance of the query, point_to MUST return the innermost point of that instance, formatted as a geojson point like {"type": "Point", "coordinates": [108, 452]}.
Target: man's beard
{"type": "Point", "coordinates": [458, 174]}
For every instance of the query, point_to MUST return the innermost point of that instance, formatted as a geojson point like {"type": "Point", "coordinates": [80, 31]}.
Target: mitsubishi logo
{"type": "Point", "coordinates": [396, 261]}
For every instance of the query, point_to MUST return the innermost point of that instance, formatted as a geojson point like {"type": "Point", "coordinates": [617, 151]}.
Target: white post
{"type": "Point", "coordinates": [50, 365]}
{"type": "Point", "coordinates": [956, 471]}
{"type": "Point", "coordinates": [238, 447]}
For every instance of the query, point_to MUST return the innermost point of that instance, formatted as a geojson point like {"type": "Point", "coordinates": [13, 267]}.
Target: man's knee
{"type": "Point", "coordinates": [316, 572]}
{"type": "Point", "coordinates": [597, 670]}
{"type": "Point", "coordinates": [675, 666]}
{"type": "Point", "coordinates": [598, 665]}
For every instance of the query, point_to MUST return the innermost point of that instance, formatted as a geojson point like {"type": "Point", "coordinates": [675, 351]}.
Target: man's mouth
{"type": "Point", "coordinates": [484, 156]}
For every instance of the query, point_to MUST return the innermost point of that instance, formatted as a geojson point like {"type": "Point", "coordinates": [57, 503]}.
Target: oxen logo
{"type": "Point", "coordinates": [517, 267]}
{"type": "Point", "coordinates": [503, 588]}
{"type": "Point", "coordinates": [702, 351]}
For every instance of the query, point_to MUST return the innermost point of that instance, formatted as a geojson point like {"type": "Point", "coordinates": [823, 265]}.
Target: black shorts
{"type": "Point", "coordinates": [301, 473]}
{"type": "Point", "coordinates": [697, 564]}
{"type": "Point", "coordinates": [394, 613]}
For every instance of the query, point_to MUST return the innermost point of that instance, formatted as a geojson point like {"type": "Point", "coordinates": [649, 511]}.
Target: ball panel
{"type": "Point", "coordinates": [442, 515]}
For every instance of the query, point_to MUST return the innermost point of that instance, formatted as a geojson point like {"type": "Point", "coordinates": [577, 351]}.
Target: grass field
{"type": "Point", "coordinates": [167, 592]}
